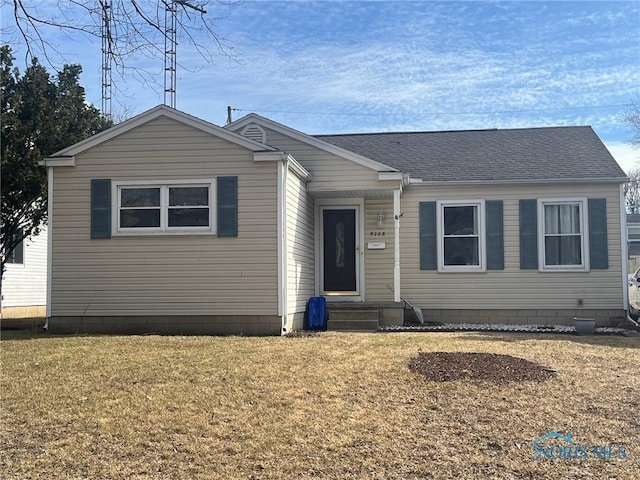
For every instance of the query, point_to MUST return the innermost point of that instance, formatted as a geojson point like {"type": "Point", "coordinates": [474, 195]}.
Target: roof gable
{"type": "Point", "coordinates": [376, 165]}
{"type": "Point", "coordinates": [152, 114]}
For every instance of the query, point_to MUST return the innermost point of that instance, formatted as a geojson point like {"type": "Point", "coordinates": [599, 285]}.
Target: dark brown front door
{"type": "Point", "coordinates": [339, 250]}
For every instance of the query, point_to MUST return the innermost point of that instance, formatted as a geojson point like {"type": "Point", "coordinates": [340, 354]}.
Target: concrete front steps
{"type": "Point", "coordinates": [363, 316]}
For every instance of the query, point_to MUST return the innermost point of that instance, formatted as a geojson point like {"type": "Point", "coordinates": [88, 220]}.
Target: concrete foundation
{"type": "Point", "coordinates": [603, 318]}
{"type": "Point", "coordinates": [170, 325]}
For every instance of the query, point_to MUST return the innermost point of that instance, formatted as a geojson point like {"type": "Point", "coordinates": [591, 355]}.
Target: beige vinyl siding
{"type": "Point", "coordinates": [379, 263]}
{"type": "Point", "coordinates": [511, 288]}
{"type": "Point", "coordinates": [165, 274]}
{"type": "Point", "coordinates": [330, 172]}
{"type": "Point", "coordinates": [300, 245]}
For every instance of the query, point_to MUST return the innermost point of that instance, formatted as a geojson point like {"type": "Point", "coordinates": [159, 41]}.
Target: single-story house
{"type": "Point", "coordinates": [168, 223]}
{"type": "Point", "coordinates": [24, 279]}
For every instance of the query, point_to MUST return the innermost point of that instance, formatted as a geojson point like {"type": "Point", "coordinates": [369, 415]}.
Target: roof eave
{"type": "Point", "coordinates": [416, 182]}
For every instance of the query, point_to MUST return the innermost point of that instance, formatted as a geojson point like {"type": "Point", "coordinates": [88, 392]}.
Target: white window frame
{"type": "Point", "coordinates": [164, 186]}
{"type": "Point", "coordinates": [482, 249]}
{"type": "Point", "coordinates": [584, 234]}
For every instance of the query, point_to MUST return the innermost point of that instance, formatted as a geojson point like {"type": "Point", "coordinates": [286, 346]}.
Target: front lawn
{"type": "Point", "coordinates": [340, 406]}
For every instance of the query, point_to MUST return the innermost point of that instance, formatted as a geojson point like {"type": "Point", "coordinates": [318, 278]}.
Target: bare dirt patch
{"type": "Point", "coordinates": [302, 334]}
{"type": "Point", "coordinates": [487, 367]}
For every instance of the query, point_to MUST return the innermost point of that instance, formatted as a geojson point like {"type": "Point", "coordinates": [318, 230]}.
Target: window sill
{"type": "Point", "coordinates": [564, 269]}
{"type": "Point", "coordinates": [461, 269]}
{"type": "Point", "coordinates": [164, 233]}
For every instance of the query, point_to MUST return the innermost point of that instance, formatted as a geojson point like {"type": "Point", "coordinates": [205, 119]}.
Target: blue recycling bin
{"type": "Point", "coordinates": [316, 313]}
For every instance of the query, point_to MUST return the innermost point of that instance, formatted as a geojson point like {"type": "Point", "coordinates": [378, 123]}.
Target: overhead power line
{"type": "Point", "coordinates": [418, 114]}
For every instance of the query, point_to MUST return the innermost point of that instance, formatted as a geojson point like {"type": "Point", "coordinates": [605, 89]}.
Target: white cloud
{"type": "Point", "coordinates": [429, 63]}
{"type": "Point", "coordinates": [627, 157]}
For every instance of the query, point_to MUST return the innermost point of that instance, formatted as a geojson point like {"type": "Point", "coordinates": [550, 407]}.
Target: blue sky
{"type": "Point", "coordinates": [344, 67]}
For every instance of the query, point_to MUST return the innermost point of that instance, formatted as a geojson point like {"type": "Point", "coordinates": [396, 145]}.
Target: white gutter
{"type": "Point", "coordinates": [69, 161]}
{"type": "Point", "coordinates": [396, 264]}
{"type": "Point", "coordinates": [268, 156]}
{"type": "Point", "coordinates": [382, 176]}
{"type": "Point", "coordinates": [625, 256]}
{"type": "Point", "coordinates": [418, 182]}
{"type": "Point", "coordinates": [298, 169]}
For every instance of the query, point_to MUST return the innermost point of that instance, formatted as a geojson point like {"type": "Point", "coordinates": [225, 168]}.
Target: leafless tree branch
{"type": "Point", "coordinates": [137, 31]}
{"type": "Point", "coordinates": [632, 118]}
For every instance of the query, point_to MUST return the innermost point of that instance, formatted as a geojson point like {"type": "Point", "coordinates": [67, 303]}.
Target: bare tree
{"type": "Point", "coordinates": [137, 30]}
{"type": "Point", "coordinates": [632, 118]}
{"type": "Point", "coordinates": [632, 191]}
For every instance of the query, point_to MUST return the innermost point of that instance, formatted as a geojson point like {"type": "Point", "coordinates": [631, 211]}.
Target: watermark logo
{"type": "Point", "coordinates": [554, 445]}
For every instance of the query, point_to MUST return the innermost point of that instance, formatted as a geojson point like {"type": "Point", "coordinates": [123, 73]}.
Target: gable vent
{"type": "Point", "coordinates": [255, 132]}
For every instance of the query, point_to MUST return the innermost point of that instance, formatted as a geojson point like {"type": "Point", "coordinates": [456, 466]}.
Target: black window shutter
{"type": "Point", "coordinates": [227, 206]}
{"type": "Point", "coordinates": [100, 208]}
{"type": "Point", "coordinates": [495, 235]}
{"type": "Point", "coordinates": [428, 243]}
{"type": "Point", "coordinates": [528, 234]}
{"type": "Point", "coordinates": [598, 248]}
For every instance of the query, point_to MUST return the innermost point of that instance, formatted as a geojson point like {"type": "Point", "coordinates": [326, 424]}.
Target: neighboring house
{"type": "Point", "coordinates": [24, 281]}
{"type": "Point", "coordinates": [633, 241]}
{"type": "Point", "coordinates": [633, 234]}
{"type": "Point", "coordinates": [168, 223]}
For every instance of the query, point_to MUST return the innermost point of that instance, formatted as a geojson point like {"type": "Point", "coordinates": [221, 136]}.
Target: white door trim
{"type": "Point", "coordinates": [338, 203]}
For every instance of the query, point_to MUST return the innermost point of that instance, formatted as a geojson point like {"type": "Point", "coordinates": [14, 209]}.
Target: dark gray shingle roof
{"type": "Point", "coordinates": [514, 154]}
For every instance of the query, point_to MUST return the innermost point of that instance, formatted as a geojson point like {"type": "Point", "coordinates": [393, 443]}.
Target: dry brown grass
{"type": "Point", "coordinates": [340, 406]}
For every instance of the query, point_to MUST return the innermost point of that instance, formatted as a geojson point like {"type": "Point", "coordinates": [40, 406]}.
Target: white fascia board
{"type": "Point", "coordinates": [58, 162]}
{"type": "Point", "coordinates": [155, 112]}
{"type": "Point", "coordinates": [309, 140]}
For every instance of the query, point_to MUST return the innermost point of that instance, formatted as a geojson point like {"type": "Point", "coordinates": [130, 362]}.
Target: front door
{"type": "Point", "coordinates": [339, 251]}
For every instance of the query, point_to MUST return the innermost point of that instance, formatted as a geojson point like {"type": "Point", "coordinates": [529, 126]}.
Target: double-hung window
{"type": "Point", "coordinates": [633, 238]}
{"type": "Point", "coordinates": [461, 243]}
{"type": "Point", "coordinates": [562, 241]}
{"type": "Point", "coordinates": [16, 256]}
{"type": "Point", "coordinates": [177, 207]}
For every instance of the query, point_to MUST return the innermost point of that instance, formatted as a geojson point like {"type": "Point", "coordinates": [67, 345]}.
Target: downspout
{"type": "Point", "coordinates": [625, 256]}
{"type": "Point", "coordinates": [396, 263]}
{"type": "Point", "coordinates": [283, 167]}
{"type": "Point", "coordinates": [49, 243]}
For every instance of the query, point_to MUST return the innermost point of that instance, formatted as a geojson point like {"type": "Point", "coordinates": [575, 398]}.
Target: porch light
{"type": "Point", "coordinates": [380, 219]}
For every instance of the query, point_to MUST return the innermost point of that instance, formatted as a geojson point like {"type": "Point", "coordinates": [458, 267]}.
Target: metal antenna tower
{"type": "Point", "coordinates": [107, 57]}
{"type": "Point", "coordinates": [171, 46]}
